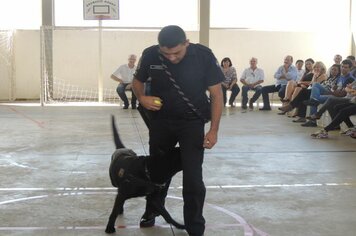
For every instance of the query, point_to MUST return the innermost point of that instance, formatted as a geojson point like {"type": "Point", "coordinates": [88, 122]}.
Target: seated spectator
{"type": "Point", "coordinates": [251, 79]}
{"type": "Point", "coordinates": [337, 61]}
{"type": "Point", "coordinates": [300, 71]}
{"type": "Point", "coordinates": [326, 87]}
{"type": "Point", "coordinates": [285, 73]}
{"type": "Point", "coordinates": [230, 82]}
{"type": "Point", "coordinates": [331, 102]}
{"type": "Point", "coordinates": [304, 94]}
{"type": "Point", "coordinates": [353, 69]}
{"type": "Point", "coordinates": [344, 111]}
{"type": "Point", "coordinates": [294, 87]}
{"type": "Point", "coordinates": [338, 92]}
{"type": "Point", "coordinates": [124, 75]}
{"type": "Point", "coordinates": [320, 78]}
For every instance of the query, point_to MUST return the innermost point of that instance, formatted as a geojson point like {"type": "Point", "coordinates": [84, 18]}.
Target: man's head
{"type": "Point", "coordinates": [173, 43]}
{"type": "Point", "coordinates": [337, 59]}
{"type": "Point", "coordinates": [346, 66]}
{"type": "Point", "coordinates": [132, 59]}
{"type": "Point", "coordinates": [299, 64]}
{"type": "Point", "coordinates": [352, 59]}
{"type": "Point", "coordinates": [288, 60]}
{"type": "Point", "coordinates": [253, 62]}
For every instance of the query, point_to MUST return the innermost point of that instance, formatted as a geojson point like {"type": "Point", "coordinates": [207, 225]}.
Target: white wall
{"type": "Point", "coordinates": [76, 52]}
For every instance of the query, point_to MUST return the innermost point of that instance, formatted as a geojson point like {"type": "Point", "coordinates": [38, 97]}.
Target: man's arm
{"type": "Point", "coordinates": [292, 73]}
{"type": "Point", "coordinates": [114, 77]}
{"type": "Point", "coordinates": [216, 96]}
{"type": "Point", "coordinates": [148, 102]}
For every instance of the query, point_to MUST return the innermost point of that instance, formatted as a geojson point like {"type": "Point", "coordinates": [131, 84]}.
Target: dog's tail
{"type": "Point", "coordinates": [117, 139]}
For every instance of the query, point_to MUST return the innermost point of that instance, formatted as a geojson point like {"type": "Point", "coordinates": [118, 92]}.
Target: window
{"type": "Point", "coordinates": [20, 14]}
{"type": "Point", "coordinates": [286, 15]}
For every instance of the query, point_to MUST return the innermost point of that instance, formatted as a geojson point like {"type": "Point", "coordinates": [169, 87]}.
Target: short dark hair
{"type": "Point", "coordinates": [338, 67]}
{"type": "Point", "coordinates": [310, 60]}
{"type": "Point", "coordinates": [171, 36]}
{"type": "Point", "coordinates": [226, 59]}
{"type": "Point", "coordinates": [299, 60]}
{"type": "Point", "coordinates": [352, 58]}
{"type": "Point", "coordinates": [347, 62]}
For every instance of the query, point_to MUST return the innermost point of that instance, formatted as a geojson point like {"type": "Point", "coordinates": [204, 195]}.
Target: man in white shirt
{"type": "Point", "coordinates": [124, 75]}
{"type": "Point", "coordinates": [251, 79]}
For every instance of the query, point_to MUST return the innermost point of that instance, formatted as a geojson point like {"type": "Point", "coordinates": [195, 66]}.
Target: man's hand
{"type": "Point", "coordinates": [151, 103]}
{"type": "Point", "coordinates": [210, 139]}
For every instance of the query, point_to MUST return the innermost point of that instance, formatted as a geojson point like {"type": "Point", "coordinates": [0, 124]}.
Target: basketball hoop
{"type": "Point", "coordinates": [101, 10]}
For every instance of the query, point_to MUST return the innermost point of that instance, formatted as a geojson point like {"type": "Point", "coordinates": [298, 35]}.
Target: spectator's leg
{"type": "Point", "coordinates": [244, 96]}
{"type": "Point", "coordinates": [341, 116]}
{"type": "Point", "coordinates": [224, 94]}
{"type": "Point", "coordinates": [234, 92]}
{"type": "Point", "coordinates": [133, 100]}
{"type": "Point", "coordinates": [282, 91]}
{"type": "Point", "coordinates": [121, 91]}
{"type": "Point", "coordinates": [265, 91]}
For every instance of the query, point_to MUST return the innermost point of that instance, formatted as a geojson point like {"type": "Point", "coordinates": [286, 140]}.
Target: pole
{"type": "Point", "coordinates": [100, 72]}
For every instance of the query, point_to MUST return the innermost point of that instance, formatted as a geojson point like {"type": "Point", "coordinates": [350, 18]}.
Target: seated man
{"type": "Point", "coordinates": [124, 75]}
{"type": "Point", "coordinates": [285, 73]}
{"type": "Point", "coordinates": [251, 79]}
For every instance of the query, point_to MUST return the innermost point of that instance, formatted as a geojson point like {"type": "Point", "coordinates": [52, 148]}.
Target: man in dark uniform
{"type": "Point", "coordinates": [179, 110]}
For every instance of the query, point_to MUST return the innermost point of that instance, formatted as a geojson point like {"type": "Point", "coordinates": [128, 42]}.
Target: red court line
{"type": "Point", "coordinates": [38, 123]}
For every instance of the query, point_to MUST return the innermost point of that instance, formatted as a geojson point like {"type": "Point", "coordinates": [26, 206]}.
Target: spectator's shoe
{"type": "Point", "coordinates": [126, 107]}
{"type": "Point", "coordinates": [265, 109]}
{"type": "Point", "coordinates": [244, 107]}
{"type": "Point", "coordinates": [232, 104]}
{"type": "Point", "coordinates": [314, 117]}
{"type": "Point", "coordinates": [147, 220]}
{"type": "Point", "coordinates": [133, 106]}
{"type": "Point", "coordinates": [321, 134]}
{"type": "Point", "coordinates": [250, 105]}
{"type": "Point", "coordinates": [282, 113]}
{"type": "Point", "coordinates": [348, 132]}
{"type": "Point", "coordinates": [300, 120]}
{"type": "Point", "coordinates": [310, 123]}
{"type": "Point", "coordinates": [286, 108]}
{"type": "Point", "coordinates": [311, 102]}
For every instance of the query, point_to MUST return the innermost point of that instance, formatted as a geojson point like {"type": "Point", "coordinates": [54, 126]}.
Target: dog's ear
{"type": "Point", "coordinates": [117, 139]}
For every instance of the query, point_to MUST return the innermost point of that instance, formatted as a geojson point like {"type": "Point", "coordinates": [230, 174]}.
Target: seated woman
{"type": "Point", "coordinates": [294, 87]}
{"type": "Point", "coordinates": [318, 76]}
{"type": "Point", "coordinates": [324, 88]}
{"type": "Point", "coordinates": [230, 82]}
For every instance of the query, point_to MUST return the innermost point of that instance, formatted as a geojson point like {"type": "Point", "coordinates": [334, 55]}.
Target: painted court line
{"type": "Point", "coordinates": [180, 187]}
{"type": "Point", "coordinates": [248, 229]}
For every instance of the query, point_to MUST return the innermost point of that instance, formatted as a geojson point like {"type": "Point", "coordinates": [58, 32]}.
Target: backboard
{"type": "Point", "coordinates": [101, 9]}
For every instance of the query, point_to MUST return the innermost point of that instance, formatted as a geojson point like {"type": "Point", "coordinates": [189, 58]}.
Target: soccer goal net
{"type": "Point", "coordinates": [74, 68]}
{"type": "Point", "coordinates": [7, 81]}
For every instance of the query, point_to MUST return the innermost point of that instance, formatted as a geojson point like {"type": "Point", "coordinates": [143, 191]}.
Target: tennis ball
{"type": "Point", "coordinates": [158, 102]}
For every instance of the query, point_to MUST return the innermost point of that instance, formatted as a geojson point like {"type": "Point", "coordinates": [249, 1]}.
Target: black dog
{"type": "Point", "coordinates": [137, 176]}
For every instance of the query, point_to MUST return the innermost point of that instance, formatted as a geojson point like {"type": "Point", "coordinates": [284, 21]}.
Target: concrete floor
{"type": "Point", "coordinates": [266, 176]}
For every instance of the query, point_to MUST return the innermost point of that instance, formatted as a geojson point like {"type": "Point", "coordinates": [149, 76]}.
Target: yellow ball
{"type": "Point", "coordinates": [158, 102]}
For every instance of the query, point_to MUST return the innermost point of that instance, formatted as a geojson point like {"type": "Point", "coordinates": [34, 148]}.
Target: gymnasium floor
{"type": "Point", "coordinates": [266, 176]}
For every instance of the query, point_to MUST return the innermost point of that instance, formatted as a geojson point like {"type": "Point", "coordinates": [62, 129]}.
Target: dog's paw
{"type": "Point", "coordinates": [110, 229]}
